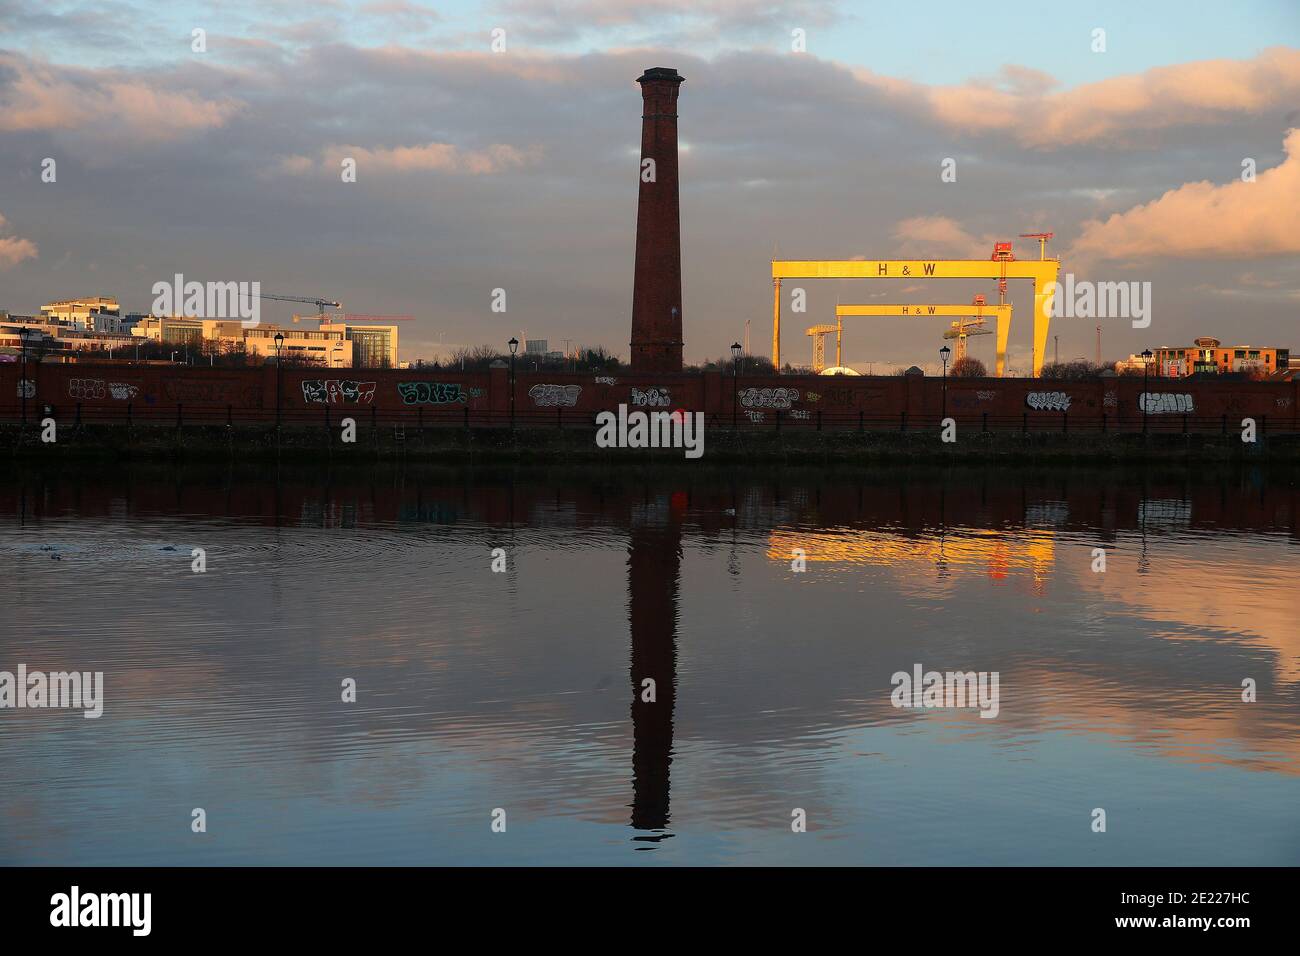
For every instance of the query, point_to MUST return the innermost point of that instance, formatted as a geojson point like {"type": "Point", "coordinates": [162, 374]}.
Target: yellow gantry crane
{"type": "Point", "coordinates": [818, 334]}
{"type": "Point", "coordinates": [1002, 265]}
{"type": "Point", "coordinates": [961, 329]}
{"type": "Point", "coordinates": [973, 313]}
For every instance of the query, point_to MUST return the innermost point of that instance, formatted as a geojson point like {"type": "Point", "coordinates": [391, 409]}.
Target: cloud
{"type": "Point", "coordinates": [410, 16]}
{"type": "Point", "coordinates": [939, 236]}
{"type": "Point", "coordinates": [428, 157]}
{"type": "Point", "coordinates": [666, 23]}
{"type": "Point", "coordinates": [1119, 111]}
{"type": "Point", "coordinates": [1201, 220]}
{"type": "Point", "coordinates": [14, 250]}
{"type": "Point", "coordinates": [147, 108]}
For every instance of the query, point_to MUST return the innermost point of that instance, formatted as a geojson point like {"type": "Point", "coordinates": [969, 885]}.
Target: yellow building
{"type": "Point", "coordinates": [375, 345]}
{"type": "Point", "coordinates": [90, 314]}
{"type": "Point", "coordinates": [328, 347]}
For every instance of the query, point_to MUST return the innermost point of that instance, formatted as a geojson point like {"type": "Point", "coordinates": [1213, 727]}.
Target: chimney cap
{"type": "Point", "coordinates": [661, 73]}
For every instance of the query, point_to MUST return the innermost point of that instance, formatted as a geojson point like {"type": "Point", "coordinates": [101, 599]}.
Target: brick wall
{"type": "Point", "coordinates": [106, 392]}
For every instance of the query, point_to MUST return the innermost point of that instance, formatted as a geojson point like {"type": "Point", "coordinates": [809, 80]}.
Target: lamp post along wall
{"type": "Point", "coordinates": [279, 376]}
{"type": "Point", "coordinates": [23, 333]}
{"type": "Point", "coordinates": [1146, 399]}
{"type": "Point", "coordinates": [943, 354]}
{"type": "Point", "coordinates": [735, 383]}
{"type": "Point", "coordinates": [514, 347]}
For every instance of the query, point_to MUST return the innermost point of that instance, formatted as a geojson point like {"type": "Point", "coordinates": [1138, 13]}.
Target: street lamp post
{"type": "Point", "coordinates": [1145, 400]}
{"type": "Point", "coordinates": [735, 382]}
{"type": "Point", "coordinates": [514, 347]}
{"type": "Point", "coordinates": [943, 354]}
{"type": "Point", "coordinates": [23, 334]}
{"type": "Point", "coordinates": [279, 376]}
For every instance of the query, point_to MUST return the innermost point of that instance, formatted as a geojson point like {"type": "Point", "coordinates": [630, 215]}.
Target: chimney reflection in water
{"type": "Point", "coordinates": [653, 566]}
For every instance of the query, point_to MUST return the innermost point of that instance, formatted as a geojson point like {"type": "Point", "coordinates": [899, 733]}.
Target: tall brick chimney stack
{"type": "Point", "coordinates": [657, 287]}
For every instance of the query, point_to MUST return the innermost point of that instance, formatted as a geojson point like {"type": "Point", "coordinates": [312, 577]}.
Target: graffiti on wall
{"type": "Point", "coordinates": [606, 380]}
{"type": "Point", "coordinates": [555, 395]}
{"type": "Point", "coordinates": [96, 388]}
{"type": "Point", "coordinates": [768, 397]}
{"type": "Point", "coordinates": [1166, 403]}
{"type": "Point", "coordinates": [26, 388]}
{"type": "Point", "coordinates": [435, 393]}
{"type": "Point", "coordinates": [208, 391]}
{"type": "Point", "coordinates": [652, 397]}
{"type": "Point", "coordinates": [970, 399]}
{"type": "Point", "coordinates": [853, 396]}
{"type": "Point", "coordinates": [332, 391]}
{"type": "Point", "coordinates": [1048, 401]}
{"type": "Point", "coordinates": [86, 388]}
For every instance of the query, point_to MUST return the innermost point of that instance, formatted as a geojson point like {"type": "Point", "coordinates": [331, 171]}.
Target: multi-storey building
{"type": "Point", "coordinates": [89, 314]}
{"type": "Point", "coordinates": [1208, 355]}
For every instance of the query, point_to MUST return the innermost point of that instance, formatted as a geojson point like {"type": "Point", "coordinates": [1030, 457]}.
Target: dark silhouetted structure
{"type": "Point", "coordinates": [657, 286]}
{"type": "Point", "coordinates": [653, 566]}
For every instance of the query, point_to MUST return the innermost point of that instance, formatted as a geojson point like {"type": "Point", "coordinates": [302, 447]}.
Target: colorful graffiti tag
{"type": "Point", "coordinates": [433, 393]}
{"type": "Point", "coordinates": [333, 391]}
{"type": "Point", "coordinates": [552, 395]}
{"type": "Point", "coordinates": [768, 397]}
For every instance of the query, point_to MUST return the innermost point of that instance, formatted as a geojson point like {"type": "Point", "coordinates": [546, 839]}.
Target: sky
{"type": "Point", "coordinates": [518, 169]}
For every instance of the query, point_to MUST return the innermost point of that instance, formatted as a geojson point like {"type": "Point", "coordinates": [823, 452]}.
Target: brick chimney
{"type": "Point", "coordinates": [657, 287]}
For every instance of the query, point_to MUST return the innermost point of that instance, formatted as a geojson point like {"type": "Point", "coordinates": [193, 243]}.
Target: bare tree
{"type": "Point", "coordinates": [968, 367]}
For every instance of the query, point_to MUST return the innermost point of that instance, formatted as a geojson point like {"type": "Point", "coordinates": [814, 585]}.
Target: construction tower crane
{"type": "Point", "coordinates": [321, 304]}
{"type": "Point", "coordinates": [818, 334]}
{"type": "Point", "coordinates": [1042, 238]}
{"type": "Point", "coordinates": [960, 329]}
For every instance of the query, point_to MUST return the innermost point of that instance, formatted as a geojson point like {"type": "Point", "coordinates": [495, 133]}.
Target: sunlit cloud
{"type": "Point", "coordinates": [54, 98]}
{"type": "Point", "coordinates": [13, 249]}
{"type": "Point", "coordinates": [1121, 111]}
{"type": "Point", "coordinates": [1200, 220]}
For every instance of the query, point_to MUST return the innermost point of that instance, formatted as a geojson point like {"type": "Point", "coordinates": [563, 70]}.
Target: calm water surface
{"type": "Point", "coordinates": [515, 690]}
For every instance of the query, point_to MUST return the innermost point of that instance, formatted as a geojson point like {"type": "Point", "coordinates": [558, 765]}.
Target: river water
{"type": "Point", "coordinates": [769, 608]}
